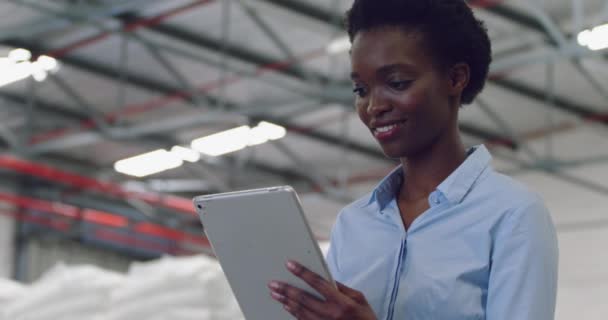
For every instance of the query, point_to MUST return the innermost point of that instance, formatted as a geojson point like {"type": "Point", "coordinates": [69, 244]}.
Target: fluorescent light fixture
{"type": "Point", "coordinates": [17, 66]}
{"type": "Point", "coordinates": [148, 163]}
{"type": "Point", "coordinates": [186, 154]}
{"type": "Point", "coordinates": [37, 72]}
{"type": "Point", "coordinates": [237, 139]}
{"type": "Point", "coordinates": [257, 136]}
{"type": "Point", "coordinates": [271, 130]}
{"type": "Point", "coordinates": [595, 39]}
{"type": "Point", "coordinates": [12, 72]}
{"type": "Point", "coordinates": [264, 132]}
{"type": "Point", "coordinates": [222, 143]}
{"type": "Point", "coordinates": [339, 45]}
{"type": "Point", "coordinates": [19, 55]}
{"type": "Point", "coordinates": [47, 63]}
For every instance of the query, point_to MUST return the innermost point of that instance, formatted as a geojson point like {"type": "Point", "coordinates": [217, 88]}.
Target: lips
{"type": "Point", "coordinates": [386, 131]}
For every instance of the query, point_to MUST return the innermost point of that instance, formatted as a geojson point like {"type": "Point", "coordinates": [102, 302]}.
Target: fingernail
{"type": "Point", "coordinates": [291, 265]}
{"type": "Point", "coordinates": [274, 285]}
{"type": "Point", "coordinates": [277, 296]}
{"type": "Point", "coordinates": [288, 308]}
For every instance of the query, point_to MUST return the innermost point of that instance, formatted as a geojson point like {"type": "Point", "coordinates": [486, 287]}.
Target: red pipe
{"type": "Point", "coordinates": [41, 221]}
{"type": "Point", "coordinates": [101, 234]}
{"type": "Point", "coordinates": [178, 204]}
{"type": "Point", "coordinates": [104, 219]}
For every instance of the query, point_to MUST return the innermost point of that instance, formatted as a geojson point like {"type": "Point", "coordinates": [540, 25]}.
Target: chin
{"type": "Point", "coordinates": [399, 151]}
{"type": "Point", "coordinates": [396, 152]}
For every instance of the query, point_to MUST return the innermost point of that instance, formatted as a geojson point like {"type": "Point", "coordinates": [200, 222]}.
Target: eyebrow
{"type": "Point", "coordinates": [387, 69]}
{"type": "Point", "coordinates": [393, 67]}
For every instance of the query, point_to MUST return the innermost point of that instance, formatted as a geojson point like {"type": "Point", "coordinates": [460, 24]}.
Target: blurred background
{"type": "Point", "coordinates": [114, 114]}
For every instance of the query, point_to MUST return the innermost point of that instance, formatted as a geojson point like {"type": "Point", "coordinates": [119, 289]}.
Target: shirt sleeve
{"type": "Point", "coordinates": [523, 274]}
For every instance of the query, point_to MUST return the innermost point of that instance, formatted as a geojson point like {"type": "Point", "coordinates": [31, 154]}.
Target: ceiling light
{"type": "Point", "coordinates": [186, 154]}
{"type": "Point", "coordinates": [265, 131]}
{"type": "Point", "coordinates": [17, 66]}
{"type": "Point", "coordinates": [37, 72]}
{"type": "Point", "coordinates": [339, 45]}
{"type": "Point", "coordinates": [257, 136]}
{"type": "Point", "coordinates": [224, 142]}
{"type": "Point", "coordinates": [12, 72]}
{"type": "Point", "coordinates": [20, 55]}
{"type": "Point", "coordinates": [594, 39]}
{"type": "Point", "coordinates": [148, 163]}
{"type": "Point", "coordinates": [47, 63]}
{"type": "Point", "coordinates": [238, 138]}
{"type": "Point", "coordinates": [271, 130]}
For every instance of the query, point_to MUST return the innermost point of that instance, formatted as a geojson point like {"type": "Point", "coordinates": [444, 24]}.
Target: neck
{"type": "Point", "coordinates": [427, 169]}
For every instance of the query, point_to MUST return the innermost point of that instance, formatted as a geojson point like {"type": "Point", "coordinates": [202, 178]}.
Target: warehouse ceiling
{"type": "Point", "coordinates": [136, 76]}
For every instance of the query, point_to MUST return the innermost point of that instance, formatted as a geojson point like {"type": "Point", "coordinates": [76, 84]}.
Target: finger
{"type": "Point", "coordinates": [283, 292]}
{"type": "Point", "coordinates": [351, 293]}
{"type": "Point", "coordinates": [314, 280]}
{"type": "Point", "coordinates": [300, 312]}
{"type": "Point", "coordinates": [298, 299]}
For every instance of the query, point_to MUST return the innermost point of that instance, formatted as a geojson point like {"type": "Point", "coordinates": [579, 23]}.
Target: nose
{"type": "Point", "coordinates": [377, 103]}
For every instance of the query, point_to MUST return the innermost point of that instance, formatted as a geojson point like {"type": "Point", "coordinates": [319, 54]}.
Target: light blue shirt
{"type": "Point", "coordinates": [485, 249]}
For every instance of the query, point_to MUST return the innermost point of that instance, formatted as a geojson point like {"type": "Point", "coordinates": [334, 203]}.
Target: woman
{"type": "Point", "coordinates": [443, 236]}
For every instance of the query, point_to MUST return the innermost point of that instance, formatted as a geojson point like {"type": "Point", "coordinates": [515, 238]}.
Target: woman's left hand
{"type": "Point", "coordinates": [340, 303]}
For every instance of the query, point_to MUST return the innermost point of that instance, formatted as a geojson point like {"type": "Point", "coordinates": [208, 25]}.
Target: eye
{"type": "Point", "coordinates": [400, 85]}
{"type": "Point", "coordinates": [360, 91]}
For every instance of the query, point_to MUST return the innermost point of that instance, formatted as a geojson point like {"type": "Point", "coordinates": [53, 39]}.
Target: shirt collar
{"type": "Point", "coordinates": [455, 187]}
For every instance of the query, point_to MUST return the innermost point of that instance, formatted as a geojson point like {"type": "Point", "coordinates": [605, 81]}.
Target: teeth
{"type": "Point", "coordinates": [386, 129]}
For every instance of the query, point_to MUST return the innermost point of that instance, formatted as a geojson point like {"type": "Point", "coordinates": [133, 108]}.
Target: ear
{"type": "Point", "coordinates": [458, 78]}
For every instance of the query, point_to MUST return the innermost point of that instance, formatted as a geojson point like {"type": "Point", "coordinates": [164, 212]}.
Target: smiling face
{"type": "Point", "coordinates": [402, 96]}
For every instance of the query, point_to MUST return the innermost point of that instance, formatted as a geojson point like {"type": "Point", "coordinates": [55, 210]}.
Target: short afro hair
{"type": "Point", "coordinates": [451, 32]}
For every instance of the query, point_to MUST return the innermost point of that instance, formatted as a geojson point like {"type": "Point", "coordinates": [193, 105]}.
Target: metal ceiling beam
{"type": "Point", "coordinates": [520, 18]}
{"type": "Point", "coordinates": [46, 25]}
{"type": "Point", "coordinates": [153, 85]}
{"type": "Point", "coordinates": [203, 41]}
{"type": "Point", "coordinates": [555, 171]}
{"type": "Point", "coordinates": [49, 108]}
{"type": "Point", "coordinates": [561, 103]}
{"type": "Point", "coordinates": [311, 11]}
{"type": "Point", "coordinates": [150, 138]}
{"type": "Point", "coordinates": [541, 23]}
{"type": "Point", "coordinates": [106, 71]}
{"type": "Point", "coordinates": [134, 24]}
{"type": "Point", "coordinates": [211, 44]}
{"type": "Point", "coordinates": [525, 20]}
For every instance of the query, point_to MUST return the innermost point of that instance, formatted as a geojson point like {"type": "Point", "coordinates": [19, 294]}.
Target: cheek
{"type": "Point", "coordinates": [412, 100]}
{"type": "Point", "coordinates": [361, 111]}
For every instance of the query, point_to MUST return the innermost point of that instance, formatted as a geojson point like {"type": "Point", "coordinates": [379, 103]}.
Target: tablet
{"type": "Point", "coordinates": [253, 233]}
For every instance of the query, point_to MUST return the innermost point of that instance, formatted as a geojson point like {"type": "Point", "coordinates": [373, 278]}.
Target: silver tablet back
{"type": "Point", "coordinates": [253, 233]}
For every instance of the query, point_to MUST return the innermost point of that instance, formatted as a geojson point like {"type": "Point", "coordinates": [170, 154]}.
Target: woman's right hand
{"type": "Point", "coordinates": [339, 302]}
